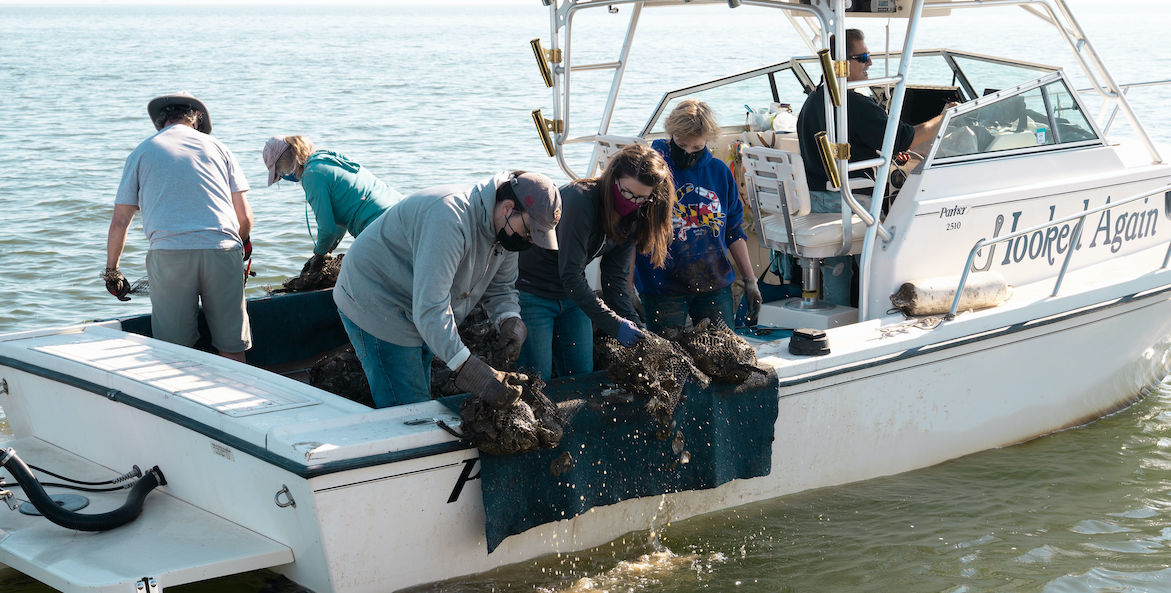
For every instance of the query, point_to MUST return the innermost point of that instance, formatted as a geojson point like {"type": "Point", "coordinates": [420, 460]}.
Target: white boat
{"type": "Point", "coordinates": [1025, 181]}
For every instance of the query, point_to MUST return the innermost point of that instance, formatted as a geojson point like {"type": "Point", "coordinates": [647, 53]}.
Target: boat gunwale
{"type": "Point", "coordinates": [309, 471]}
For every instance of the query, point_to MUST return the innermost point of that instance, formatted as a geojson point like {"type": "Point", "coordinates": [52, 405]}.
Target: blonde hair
{"type": "Point", "coordinates": [300, 147]}
{"type": "Point", "coordinates": [692, 119]}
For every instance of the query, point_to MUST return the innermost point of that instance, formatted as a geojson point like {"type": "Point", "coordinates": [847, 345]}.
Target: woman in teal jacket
{"type": "Point", "coordinates": [344, 195]}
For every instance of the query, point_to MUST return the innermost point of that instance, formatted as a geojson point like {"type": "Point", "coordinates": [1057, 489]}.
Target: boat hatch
{"type": "Point", "coordinates": [173, 369]}
{"type": "Point", "coordinates": [171, 542]}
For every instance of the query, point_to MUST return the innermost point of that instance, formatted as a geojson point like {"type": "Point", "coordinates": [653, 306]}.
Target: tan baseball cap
{"type": "Point", "coordinates": [539, 197]}
{"type": "Point", "coordinates": [273, 149]}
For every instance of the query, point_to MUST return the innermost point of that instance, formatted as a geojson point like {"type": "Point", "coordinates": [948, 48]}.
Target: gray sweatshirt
{"type": "Point", "coordinates": [417, 271]}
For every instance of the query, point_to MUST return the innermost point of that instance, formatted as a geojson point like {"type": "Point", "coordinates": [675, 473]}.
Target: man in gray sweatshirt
{"type": "Point", "coordinates": [417, 271]}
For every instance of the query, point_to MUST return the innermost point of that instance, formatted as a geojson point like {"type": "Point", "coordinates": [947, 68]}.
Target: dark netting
{"type": "Point", "coordinates": [310, 279]}
{"type": "Point", "coordinates": [479, 335]}
{"type": "Point", "coordinates": [530, 423]}
{"type": "Point", "coordinates": [718, 351]}
{"type": "Point", "coordinates": [341, 373]}
{"type": "Point", "coordinates": [653, 370]}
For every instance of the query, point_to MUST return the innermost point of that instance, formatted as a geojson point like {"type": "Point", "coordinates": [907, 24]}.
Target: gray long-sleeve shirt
{"type": "Point", "coordinates": [580, 239]}
{"type": "Point", "coordinates": [417, 271]}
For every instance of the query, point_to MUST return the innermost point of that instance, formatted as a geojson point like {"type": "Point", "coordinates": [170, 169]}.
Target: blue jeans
{"type": "Point", "coordinates": [397, 374]}
{"type": "Point", "coordinates": [561, 337]}
{"type": "Point", "coordinates": [672, 310]}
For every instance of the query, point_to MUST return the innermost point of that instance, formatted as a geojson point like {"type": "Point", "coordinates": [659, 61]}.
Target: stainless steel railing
{"type": "Point", "coordinates": [1080, 217]}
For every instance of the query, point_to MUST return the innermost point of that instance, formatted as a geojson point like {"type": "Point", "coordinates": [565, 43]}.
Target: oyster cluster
{"type": "Point", "coordinates": [718, 351]}
{"type": "Point", "coordinates": [654, 370]}
{"type": "Point", "coordinates": [307, 280]}
{"type": "Point", "coordinates": [341, 373]}
{"type": "Point", "coordinates": [530, 423]}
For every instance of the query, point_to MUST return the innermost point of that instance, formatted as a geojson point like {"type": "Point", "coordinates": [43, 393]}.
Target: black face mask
{"type": "Point", "coordinates": [512, 242]}
{"type": "Point", "coordinates": [682, 158]}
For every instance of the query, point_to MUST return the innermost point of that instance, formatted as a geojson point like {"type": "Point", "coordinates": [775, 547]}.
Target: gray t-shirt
{"type": "Point", "coordinates": [182, 180]}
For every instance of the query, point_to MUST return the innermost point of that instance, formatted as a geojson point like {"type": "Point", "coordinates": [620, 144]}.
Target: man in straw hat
{"type": "Point", "coordinates": [191, 192]}
{"type": "Point", "coordinates": [417, 271]}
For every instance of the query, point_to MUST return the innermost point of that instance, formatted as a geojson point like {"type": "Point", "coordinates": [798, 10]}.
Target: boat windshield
{"type": "Point", "coordinates": [786, 83]}
{"type": "Point", "coordinates": [1036, 115]}
{"type": "Point", "coordinates": [971, 75]}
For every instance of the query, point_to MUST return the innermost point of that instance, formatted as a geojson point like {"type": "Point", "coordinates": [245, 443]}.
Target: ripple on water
{"type": "Point", "coordinates": [1101, 579]}
{"type": "Point", "coordinates": [1139, 513]}
{"type": "Point", "coordinates": [1133, 546]}
{"type": "Point", "coordinates": [1095, 526]}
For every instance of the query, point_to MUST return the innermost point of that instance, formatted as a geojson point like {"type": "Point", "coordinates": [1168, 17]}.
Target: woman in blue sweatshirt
{"type": "Point", "coordinates": [708, 238]}
{"type": "Point", "coordinates": [344, 196]}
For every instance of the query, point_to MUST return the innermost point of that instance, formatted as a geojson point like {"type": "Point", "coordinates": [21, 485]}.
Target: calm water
{"type": "Point", "coordinates": [441, 92]}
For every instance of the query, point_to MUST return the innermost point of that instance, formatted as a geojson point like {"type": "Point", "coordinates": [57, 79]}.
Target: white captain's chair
{"type": "Point", "coordinates": [606, 146]}
{"type": "Point", "coordinates": [779, 195]}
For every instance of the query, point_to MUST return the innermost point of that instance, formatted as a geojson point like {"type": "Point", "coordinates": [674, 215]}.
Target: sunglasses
{"type": "Point", "coordinates": [629, 195]}
{"type": "Point", "coordinates": [861, 58]}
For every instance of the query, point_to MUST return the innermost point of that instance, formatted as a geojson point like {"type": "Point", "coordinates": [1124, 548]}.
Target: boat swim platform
{"type": "Point", "coordinates": [172, 542]}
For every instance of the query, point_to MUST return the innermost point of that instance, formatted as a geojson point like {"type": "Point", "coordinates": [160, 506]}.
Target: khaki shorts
{"type": "Point", "coordinates": [180, 279]}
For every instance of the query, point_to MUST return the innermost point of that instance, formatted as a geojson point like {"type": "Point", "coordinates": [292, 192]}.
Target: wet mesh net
{"type": "Point", "coordinates": [310, 279]}
{"type": "Point", "coordinates": [718, 351]}
{"type": "Point", "coordinates": [530, 423]}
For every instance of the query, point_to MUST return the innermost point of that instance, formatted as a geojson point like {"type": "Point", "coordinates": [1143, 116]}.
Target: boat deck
{"type": "Point", "coordinates": [172, 541]}
{"type": "Point", "coordinates": [301, 424]}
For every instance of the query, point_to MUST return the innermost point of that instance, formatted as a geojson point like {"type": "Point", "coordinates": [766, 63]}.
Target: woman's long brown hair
{"type": "Point", "coordinates": [640, 162]}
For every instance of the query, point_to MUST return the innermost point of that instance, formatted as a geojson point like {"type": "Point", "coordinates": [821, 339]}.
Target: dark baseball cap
{"type": "Point", "coordinates": [539, 197]}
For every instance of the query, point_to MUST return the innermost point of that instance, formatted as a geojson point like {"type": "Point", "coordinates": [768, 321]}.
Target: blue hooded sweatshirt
{"type": "Point", "coordinates": [344, 197]}
{"type": "Point", "coordinates": [707, 219]}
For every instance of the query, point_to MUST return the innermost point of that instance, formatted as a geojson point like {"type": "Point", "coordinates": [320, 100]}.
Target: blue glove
{"type": "Point", "coordinates": [628, 333]}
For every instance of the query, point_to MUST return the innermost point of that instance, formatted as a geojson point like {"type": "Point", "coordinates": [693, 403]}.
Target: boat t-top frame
{"type": "Point", "coordinates": [814, 21]}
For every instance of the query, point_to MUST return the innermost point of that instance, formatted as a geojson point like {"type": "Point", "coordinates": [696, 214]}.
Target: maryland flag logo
{"type": "Point", "coordinates": [704, 212]}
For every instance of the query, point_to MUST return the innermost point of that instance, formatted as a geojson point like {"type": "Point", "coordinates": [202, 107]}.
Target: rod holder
{"type": "Point", "coordinates": [830, 71]}
{"type": "Point", "coordinates": [828, 154]}
{"type": "Point", "coordinates": [544, 126]}
{"type": "Point", "coordinates": [544, 58]}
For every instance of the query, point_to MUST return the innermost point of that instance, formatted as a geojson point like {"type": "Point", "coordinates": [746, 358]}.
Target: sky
{"type": "Point", "coordinates": [268, 2]}
{"type": "Point", "coordinates": [332, 2]}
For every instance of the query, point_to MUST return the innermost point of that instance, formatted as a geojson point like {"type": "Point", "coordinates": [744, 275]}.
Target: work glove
{"type": "Point", "coordinates": [628, 333]}
{"type": "Point", "coordinates": [116, 283]}
{"type": "Point", "coordinates": [247, 249]}
{"type": "Point", "coordinates": [490, 385]}
{"type": "Point", "coordinates": [313, 266]}
{"type": "Point", "coordinates": [508, 342]}
{"type": "Point", "coordinates": [753, 299]}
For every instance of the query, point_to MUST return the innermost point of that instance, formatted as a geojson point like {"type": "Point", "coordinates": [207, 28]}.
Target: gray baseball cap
{"type": "Point", "coordinates": [539, 197]}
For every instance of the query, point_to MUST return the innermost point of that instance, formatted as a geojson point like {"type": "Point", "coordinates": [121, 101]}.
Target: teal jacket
{"type": "Point", "coordinates": [344, 197]}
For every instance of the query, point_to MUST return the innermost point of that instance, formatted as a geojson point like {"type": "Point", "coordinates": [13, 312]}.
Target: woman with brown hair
{"type": "Point", "coordinates": [626, 209]}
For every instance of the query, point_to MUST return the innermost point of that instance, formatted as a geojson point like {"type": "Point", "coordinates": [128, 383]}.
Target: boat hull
{"type": "Point", "coordinates": [887, 418]}
{"type": "Point", "coordinates": [407, 512]}
{"type": "Point", "coordinates": [883, 416]}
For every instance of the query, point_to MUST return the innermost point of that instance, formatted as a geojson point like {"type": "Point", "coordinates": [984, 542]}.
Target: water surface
{"type": "Point", "coordinates": [441, 92]}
